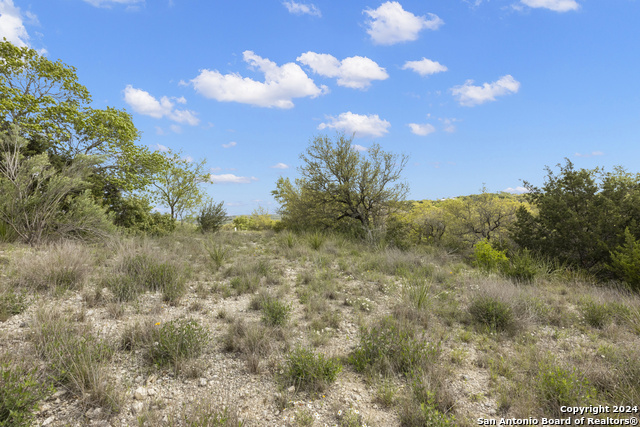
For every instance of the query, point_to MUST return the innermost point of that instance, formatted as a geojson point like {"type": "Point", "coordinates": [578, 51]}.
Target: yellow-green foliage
{"type": "Point", "coordinates": [460, 222]}
{"type": "Point", "coordinates": [625, 261]}
{"type": "Point", "coordinates": [489, 259]}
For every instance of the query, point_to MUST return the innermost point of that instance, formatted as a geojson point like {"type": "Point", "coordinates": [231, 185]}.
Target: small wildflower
{"type": "Point", "coordinates": [157, 323]}
{"type": "Point", "coordinates": [316, 415]}
{"type": "Point", "coordinates": [340, 413]}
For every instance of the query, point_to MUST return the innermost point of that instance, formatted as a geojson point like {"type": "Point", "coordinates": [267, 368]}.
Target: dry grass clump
{"type": "Point", "coordinates": [56, 267]}
{"type": "Point", "coordinates": [76, 358]}
{"type": "Point", "coordinates": [253, 341]}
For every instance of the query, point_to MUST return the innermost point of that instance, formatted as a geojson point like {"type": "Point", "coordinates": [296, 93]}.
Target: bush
{"type": "Point", "coordinates": [177, 340]}
{"type": "Point", "coordinates": [488, 258]}
{"type": "Point", "coordinates": [392, 347]}
{"type": "Point", "coordinates": [217, 255]}
{"type": "Point", "coordinates": [625, 261]}
{"type": "Point", "coordinates": [20, 392]}
{"type": "Point", "coordinates": [522, 267]}
{"type": "Point", "coordinates": [595, 314]}
{"type": "Point", "coordinates": [492, 313]}
{"type": "Point", "coordinates": [211, 217]}
{"type": "Point", "coordinates": [274, 311]}
{"type": "Point", "coordinates": [309, 371]}
{"type": "Point", "coordinates": [559, 387]}
{"type": "Point", "coordinates": [135, 216]}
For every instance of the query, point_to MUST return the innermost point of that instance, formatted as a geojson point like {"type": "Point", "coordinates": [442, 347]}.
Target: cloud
{"type": "Point", "coordinates": [448, 124]}
{"type": "Point", "coordinates": [469, 95]}
{"type": "Point", "coordinates": [144, 103]}
{"type": "Point", "coordinates": [593, 153]}
{"type": "Point", "coordinates": [109, 3]}
{"type": "Point", "coordinates": [229, 178]}
{"type": "Point", "coordinates": [358, 147]}
{"type": "Point", "coordinates": [424, 67]}
{"type": "Point", "coordinates": [280, 166]}
{"type": "Point", "coordinates": [160, 147]}
{"type": "Point", "coordinates": [391, 24]}
{"type": "Point", "coordinates": [281, 85]}
{"type": "Point", "coordinates": [302, 9]}
{"type": "Point", "coordinates": [555, 5]}
{"type": "Point", "coordinates": [229, 145]}
{"type": "Point", "coordinates": [355, 72]}
{"type": "Point", "coordinates": [422, 130]}
{"type": "Point", "coordinates": [517, 190]}
{"type": "Point", "coordinates": [175, 128]}
{"type": "Point", "coordinates": [11, 25]}
{"type": "Point", "coordinates": [361, 125]}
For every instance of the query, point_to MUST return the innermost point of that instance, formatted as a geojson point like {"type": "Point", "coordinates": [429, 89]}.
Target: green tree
{"type": "Point", "coordinates": [177, 184]}
{"type": "Point", "coordinates": [211, 217]}
{"type": "Point", "coordinates": [582, 215]}
{"type": "Point", "coordinates": [338, 184]}
{"type": "Point", "coordinates": [52, 109]}
{"type": "Point", "coordinates": [39, 201]}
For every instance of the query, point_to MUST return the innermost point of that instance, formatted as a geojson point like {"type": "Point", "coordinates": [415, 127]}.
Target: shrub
{"type": "Point", "coordinates": [625, 261]}
{"type": "Point", "coordinates": [596, 314]}
{"type": "Point", "coordinates": [392, 347]}
{"type": "Point", "coordinates": [522, 267]}
{"type": "Point", "coordinates": [274, 311]}
{"type": "Point", "coordinates": [11, 303]}
{"type": "Point", "coordinates": [177, 340]}
{"type": "Point", "coordinates": [307, 370]}
{"type": "Point", "coordinates": [492, 313]}
{"type": "Point", "coordinates": [316, 240]}
{"type": "Point", "coordinates": [488, 258]}
{"type": "Point", "coordinates": [217, 254]}
{"type": "Point", "coordinates": [20, 392]}
{"type": "Point", "coordinates": [135, 217]}
{"type": "Point", "coordinates": [559, 387]}
{"type": "Point", "coordinates": [211, 217]}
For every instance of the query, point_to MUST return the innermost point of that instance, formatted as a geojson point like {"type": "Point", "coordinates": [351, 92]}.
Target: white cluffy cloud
{"type": "Point", "coordinates": [391, 24]}
{"type": "Point", "coordinates": [358, 147]}
{"type": "Point", "coordinates": [229, 178]}
{"type": "Point", "coordinates": [301, 8]}
{"type": "Point", "coordinates": [11, 25]}
{"type": "Point", "coordinates": [144, 103]}
{"type": "Point", "coordinates": [281, 85]}
{"type": "Point", "coordinates": [229, 145]}
{"type": "Point", "coordinates": [355, 72]}
{"type": "Point", "coordinates": [555, 5]}
{"type": "Point", "coordinates": [517, 190]}
{"type": "Point", "coordinates": [280, 166]}
{"type": "Point", "coordinates": [422, 129]}
{"type": "Point", "coordinates": [470, 95]}
{"type": "Point", "coordinates": [424, 67]}
{"type": "Point", "coordinates": [361, 125]}
{"type": "Point", "coordinates": [108, 3]}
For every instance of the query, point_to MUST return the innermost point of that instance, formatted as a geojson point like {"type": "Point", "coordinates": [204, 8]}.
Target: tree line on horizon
{"type": "Point", "coordinates": [68, 170]}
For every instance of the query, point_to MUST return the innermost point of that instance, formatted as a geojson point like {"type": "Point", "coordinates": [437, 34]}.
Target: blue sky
{"type": "Point", "coordinates": [484, 91]}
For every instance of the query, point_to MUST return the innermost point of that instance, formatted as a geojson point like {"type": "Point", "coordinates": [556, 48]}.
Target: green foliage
{"type": "Point", "coordinates": [488, 258]}
{"type": "Point", "coordinates": [596, 314]}
{"type": "Point", "coordinates": [341, 188]}
{"type": "Point", "coordinates": [492, 313]}
{"type": "Point", "coordinates": [40, 201]}
{"type": "Point", "coordinates": [522, 267]}
{"type": "Point", "coordinates": [177, 184]}
{"type": "Point", "coordinates": [137, 273]}
{"type": "Point", "coordinates": [559, 387]}
{"type": "Point", "coordinates": [392, 347]}
{"type": "Point", "coordinates": [581, 216]}
{"type": "Point", "coordinates": [177, 340]}
{"type": "Point", "coordinates": [45, 100]}
{"type": "Point", "coordinates": [258, 221]}
{"type": "Point", "coordinates": [307, 370]}
{"type": "Point", "coordinates": [625, 261]}
{"type": "Point", "coordinates": [211, 217]}
{"type": "Point", "coordinates": [217, 255]}
{"type": "Point", "coordinates": [316, 240]}
{"type": "Point", "coordinates": [20, 392]}
{"type": "Point", "coordinates": [11, 303]}
{"type": "Point", "coordinates": [135, 216]}
{"type": "Point", "coordinates": [274, 311]}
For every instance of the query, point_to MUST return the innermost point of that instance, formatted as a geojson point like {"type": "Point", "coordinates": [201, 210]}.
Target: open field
{"type": "Point", "coordinates": [301, 330]}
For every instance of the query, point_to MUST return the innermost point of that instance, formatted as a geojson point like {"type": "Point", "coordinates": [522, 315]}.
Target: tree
{"type": "Point", "coordinates": [177, 184]}
{"type": "Point", "coordinates": [211, 217]}
{"type": "Point", "coordinates": [339, 184]}
{"type": "Point", "coordinates": [45, 100]}
{"type": "Point", "coordinates": [38, 200]}
{"type": "Point", "coordinates": [582, 215]}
